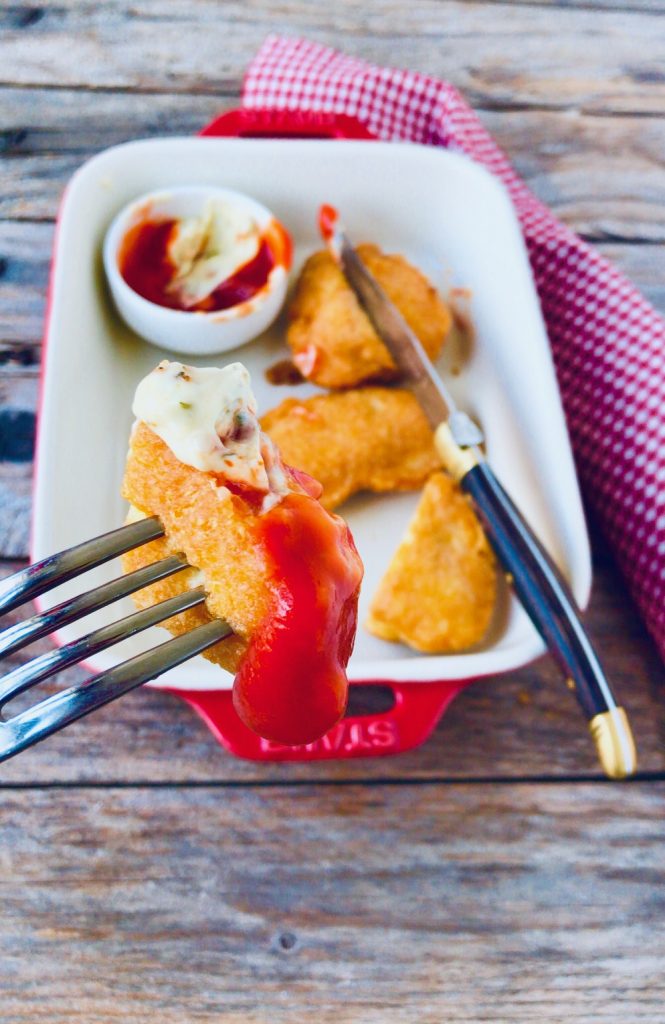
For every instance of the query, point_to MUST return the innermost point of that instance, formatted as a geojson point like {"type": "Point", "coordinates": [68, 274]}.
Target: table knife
{"type": "Point", "coordinates": [529, 569]}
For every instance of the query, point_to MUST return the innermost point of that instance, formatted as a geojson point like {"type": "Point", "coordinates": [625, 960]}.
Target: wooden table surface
{"type": "Point", "coordinates": [492, 875]}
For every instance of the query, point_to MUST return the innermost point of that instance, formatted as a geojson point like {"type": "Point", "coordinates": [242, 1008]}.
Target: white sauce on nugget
{"type": "Point", "coordinates": [207, 417]}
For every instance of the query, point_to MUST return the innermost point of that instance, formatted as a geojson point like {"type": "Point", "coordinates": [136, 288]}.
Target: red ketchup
{"type": "Point", "coordinates": [144, 263]}
{"type": "Point", "coordinates": [291, 686]}
{"type": "Point", "coordinates": [328, 217]}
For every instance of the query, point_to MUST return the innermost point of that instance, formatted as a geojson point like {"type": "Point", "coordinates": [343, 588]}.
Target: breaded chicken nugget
{"type": "Point", "coordinates": [282, 571]}
{"type": "Point", "coordinates": [332, 340]}
{"type": "Point", "coordinates": [440, 588]}
{"type": "Point", "coordinates": [196, 514]}
{"type": "Point", "coordinates": [374, 439]}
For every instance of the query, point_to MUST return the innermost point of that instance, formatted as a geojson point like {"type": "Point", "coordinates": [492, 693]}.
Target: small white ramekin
{"type": "Point", "coordinates": [195, 333]}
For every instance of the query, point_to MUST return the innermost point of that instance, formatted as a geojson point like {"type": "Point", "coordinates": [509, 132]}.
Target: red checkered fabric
{"type": "Point", "coordinates": [608, 342]}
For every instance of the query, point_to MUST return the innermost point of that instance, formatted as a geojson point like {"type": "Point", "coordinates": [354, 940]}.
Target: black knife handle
{"type": "Point", "coordinates": [540, 588]}
{"type": "Point", "coordinates": [552, 609]}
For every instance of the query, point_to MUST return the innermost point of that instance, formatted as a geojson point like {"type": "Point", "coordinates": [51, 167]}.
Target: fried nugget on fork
{"type": "Point", "coordinates": [274, 565]}
{"type": "Point", "coordinates": [196, 514]}
{"type": "Point", "coordinates": [375, 439]}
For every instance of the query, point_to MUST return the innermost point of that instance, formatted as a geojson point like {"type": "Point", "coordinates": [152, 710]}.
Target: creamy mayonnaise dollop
{"type": "Point", "coordinates": [207, 417]}
{"type": "Point", "coordinates": [207, 250]}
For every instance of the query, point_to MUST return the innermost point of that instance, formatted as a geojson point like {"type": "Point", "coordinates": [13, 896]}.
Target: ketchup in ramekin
{"type": "Point", "coordinates": [191, 279]}
{"type": "Point", "coordinates": [143, 261]}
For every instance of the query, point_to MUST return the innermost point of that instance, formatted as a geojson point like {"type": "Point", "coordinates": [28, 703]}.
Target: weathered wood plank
{"type": "Point", "coordinates": [59, 120]}
{"type": "Point", "coordinates": [18, 401]}
{"type": "Point", "coordinates": [362, 904]}
{"type": "Point", "coordinates": [600, 175]}
{"type": "Point", "coordinates": [624, 6]}
{"type": "Point", "coordinates": [604, 176]}
{"type": "Point", "coordinates": [566, 56]}
{"type": "Point", "coordinates": [25, 253]}
{"type": "Point", "coordinates": [643, 264]}
{"type": "Point", "coordinates": [525, 724]}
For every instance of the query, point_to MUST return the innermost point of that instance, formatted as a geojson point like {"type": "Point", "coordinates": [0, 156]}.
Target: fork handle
{"type": "Point", "coordinates": [548, 602]}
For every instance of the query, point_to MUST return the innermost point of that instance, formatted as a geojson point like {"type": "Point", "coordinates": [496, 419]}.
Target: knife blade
{"type": "Point", "coordinates": [413, 363]}
{"type": "Point", "coordinates": [528, 567]}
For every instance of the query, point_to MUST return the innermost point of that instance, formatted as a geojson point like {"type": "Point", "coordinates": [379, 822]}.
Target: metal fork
{"type": "Point", "coordinates": [55, 712]}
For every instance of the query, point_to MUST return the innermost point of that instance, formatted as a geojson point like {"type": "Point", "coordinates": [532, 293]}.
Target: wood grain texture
{"type": "Point", "coordinates": [603, 175]}
{"type": "Point", "coordinates": [596, 59]}
{"type": "Point", "coordinates": [18, 401]}
{"type": "Point", "coordinates": [361, 904]}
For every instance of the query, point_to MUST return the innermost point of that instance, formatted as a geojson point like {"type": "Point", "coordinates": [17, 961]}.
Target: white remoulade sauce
{"type": "Point", "coordinates": [207, 416]}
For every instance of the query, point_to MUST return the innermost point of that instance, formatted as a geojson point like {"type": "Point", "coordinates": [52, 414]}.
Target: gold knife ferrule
{"type": "Point", "coordinates": [458, 461]}
{"type": "Point", "coordinates": [614, 742]}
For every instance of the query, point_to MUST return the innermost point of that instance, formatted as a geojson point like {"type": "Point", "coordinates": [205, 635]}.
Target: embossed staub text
{"type": "Point", "coordinates": [351, 737]}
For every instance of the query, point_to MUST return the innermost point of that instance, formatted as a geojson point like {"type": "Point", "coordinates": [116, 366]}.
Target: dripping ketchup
{"type": "Point", "coordinates": [144, 263]}
{"type": "Point", "coordinates": [291, 686]}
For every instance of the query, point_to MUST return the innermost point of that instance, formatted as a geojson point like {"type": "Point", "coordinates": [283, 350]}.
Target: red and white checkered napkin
{"type": "Point", "coordinates": [608, 342]}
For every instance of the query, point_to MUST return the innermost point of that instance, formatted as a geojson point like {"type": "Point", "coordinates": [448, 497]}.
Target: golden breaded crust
{"type": "Point", "coordinates": [213, 528]}
{"type": "Point", "coordinates": [333, 342]}
{"type": "Point", "coordinates": [228, 652]}
{"type": "Point", "coordinates": [375, 439]}
{"type": "Point", "coordinates": [440, 588]}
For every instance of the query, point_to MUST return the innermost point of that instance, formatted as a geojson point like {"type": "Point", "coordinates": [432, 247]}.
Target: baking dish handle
{"type": "Point", "coordinates": [415, 712]}
{"type": "Point", "coordinates": [286, 124]}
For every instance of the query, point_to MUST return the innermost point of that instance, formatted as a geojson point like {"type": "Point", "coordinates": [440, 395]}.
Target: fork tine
{"type": "Point", "coordinates": [33, 672]}
{"type": "Point", "coordinates": [50, 572]}
{"type": "Point", "coordinates": [22, 633]}
{"type": "Point", "coordinates": [56, 712]}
